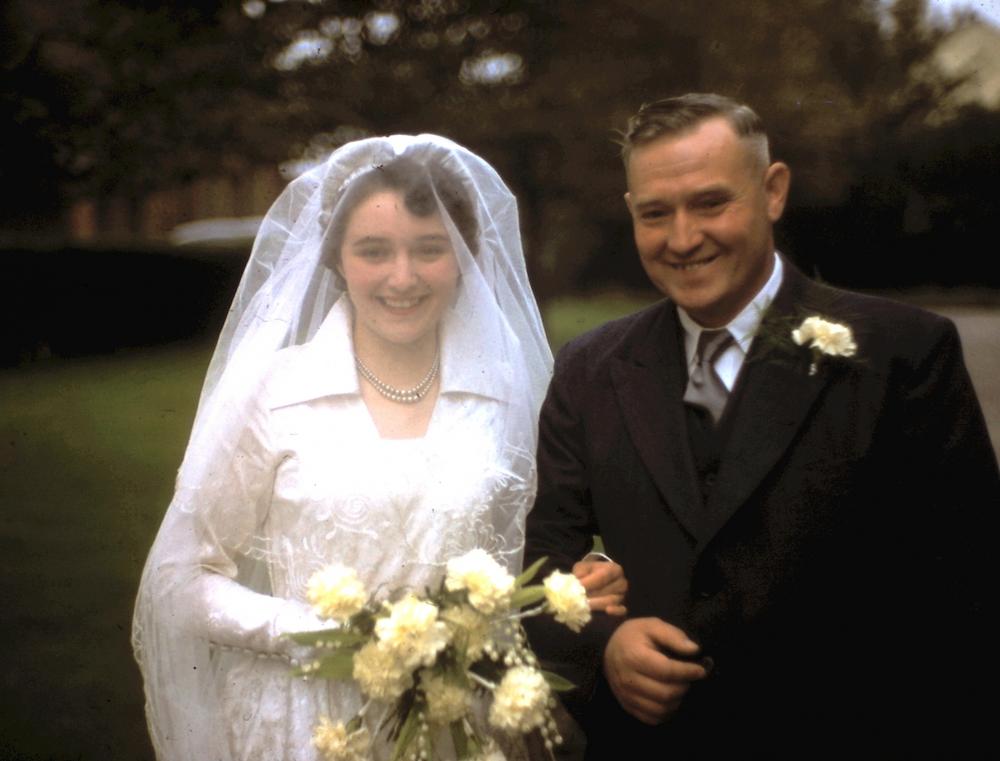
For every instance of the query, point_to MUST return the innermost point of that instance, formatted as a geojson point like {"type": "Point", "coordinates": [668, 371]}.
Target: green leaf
{"type": "Point", "coordinates": [337, 637]}
{"type": "Point", "coordinates": [337, 665]}
{"type": "Point", "coordinates": [558, 683]}
{"type": "Point", "coordinates": [406, 735]}
{"type": "Point", "coordinates": [460, 740]}
{"type": "Point", "coordinates": [529, 573]}
{"type": "Point", "coordinates": [527, 596]}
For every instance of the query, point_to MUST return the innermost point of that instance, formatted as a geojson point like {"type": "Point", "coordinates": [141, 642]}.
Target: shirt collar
{"type": "Point", "coordinates": [743, 326]}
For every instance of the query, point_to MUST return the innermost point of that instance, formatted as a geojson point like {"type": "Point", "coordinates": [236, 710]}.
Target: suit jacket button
{"type": "Point", "coordinates": [703, 594]}
{"type": "Point", "coordinates": [709, 480]}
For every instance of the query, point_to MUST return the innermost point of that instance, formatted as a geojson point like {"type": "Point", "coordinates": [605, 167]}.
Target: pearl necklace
{"type": "Point", "coordinates": [401, 395]}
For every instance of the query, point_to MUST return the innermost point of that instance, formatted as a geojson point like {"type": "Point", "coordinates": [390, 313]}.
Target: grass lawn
{"type": "Point", "coordinates": [568, 317]}
{"type": "Point", "coordinates": [88, 452]}
{"type": "Point", "coordinates": [89, 449]}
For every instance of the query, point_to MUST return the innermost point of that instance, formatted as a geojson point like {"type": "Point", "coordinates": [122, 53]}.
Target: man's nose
{"type": "Point", "coordinates": [684, 236]}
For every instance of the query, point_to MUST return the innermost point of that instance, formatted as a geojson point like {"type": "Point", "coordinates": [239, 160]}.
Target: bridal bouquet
{"type": "Point", "coordinates": [427, 657]}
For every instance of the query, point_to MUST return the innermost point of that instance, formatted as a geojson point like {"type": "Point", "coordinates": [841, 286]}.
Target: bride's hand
{"type": "Point", "coordinates": [605, 583]}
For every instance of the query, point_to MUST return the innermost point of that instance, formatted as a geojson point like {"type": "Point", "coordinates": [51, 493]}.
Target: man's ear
{"type": "Point", "coordinates": [628, 201]}
{"type": "Point", "coordinates": [777, 180]}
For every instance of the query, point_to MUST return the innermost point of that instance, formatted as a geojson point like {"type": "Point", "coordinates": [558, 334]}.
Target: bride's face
{"type": "Point", "coordinates": [400, 270]}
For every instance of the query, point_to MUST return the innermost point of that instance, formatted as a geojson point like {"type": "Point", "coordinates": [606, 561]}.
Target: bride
{"type": "Point", "coordinates": [372, 401]}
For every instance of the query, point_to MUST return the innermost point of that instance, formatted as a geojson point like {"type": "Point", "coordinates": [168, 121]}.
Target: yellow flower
{"type": "Point", "coordinates": [337, 744]}
{"type": "Point", "coordinates": [446, 701]}
{"type": "Point", "coordinates": [488, 584]}
{"type": "Point", "coordinates": [469, 625]}
{"type": "Point", "coordinates": [567, 599]}
{"type": "Point", "coordinates": [412, 631]}
{"type": "Point", "coordinates": [379, 673]}
{"type": "Point", "coordinates": [336, 592]}
{"type": "Point", "coordinates": [520, 700]}
{"type": "Point", "coordinates": [825, 337]}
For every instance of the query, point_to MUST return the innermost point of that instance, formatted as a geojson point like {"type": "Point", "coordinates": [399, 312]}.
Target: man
{"type": "Point", "coordinates": [802, 527]}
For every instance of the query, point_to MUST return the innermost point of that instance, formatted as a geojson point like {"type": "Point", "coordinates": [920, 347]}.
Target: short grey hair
{"type": "Point", "coordinates": [677, 115]}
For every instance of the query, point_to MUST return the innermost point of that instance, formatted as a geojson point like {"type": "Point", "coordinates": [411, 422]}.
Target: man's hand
{"type": "Point", "coordinates": [605, 584]}
{"type": "Point", "coordinates": [643, 672]}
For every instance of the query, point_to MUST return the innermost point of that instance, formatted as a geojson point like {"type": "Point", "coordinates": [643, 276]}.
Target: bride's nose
{"type": "Point", "coordinates": [403, 274]}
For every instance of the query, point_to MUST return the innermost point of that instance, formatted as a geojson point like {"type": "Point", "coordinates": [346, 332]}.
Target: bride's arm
{"type": "Point", "coordinates": [191, 601]}
{"type": "Point", "coordinates": [218, 531]}
{"type": "Point", "coordinates": [233, 616]}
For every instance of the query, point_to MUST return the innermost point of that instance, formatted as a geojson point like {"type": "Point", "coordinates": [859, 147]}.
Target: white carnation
{"type": "Point", "coordinates": [335, 743]}
{"type": "Point", "coordinates": [446, 701]}
{"type": "Point", "coordinates": [380, 673]}
{"type": "Point", "coordinates": [831, 338]}
{"type": "Point", "coordinates": [412, 631]}
{"type": "Point", "coordinates": [336, 592]}
{"type": "Point", "coordinates": [469, 628]}
{"type": "Point", "coordinates": [567, 599]}
{"type": "Point", "coordinates": [520, 700]}
{"type": "Point", "coordinates": [488, 584]}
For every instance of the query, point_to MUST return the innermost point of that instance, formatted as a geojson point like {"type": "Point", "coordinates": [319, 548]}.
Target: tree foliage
{"type": "Point", "coordinates": [115, 96]}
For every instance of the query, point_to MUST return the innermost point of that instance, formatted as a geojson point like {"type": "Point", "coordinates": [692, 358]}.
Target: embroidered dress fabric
{"type": "Point", "coordinates": [285, 470]}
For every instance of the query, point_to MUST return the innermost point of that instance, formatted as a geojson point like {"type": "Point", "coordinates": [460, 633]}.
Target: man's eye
{"type": "Point", "coordinates": [653, 214]}
{"type": "Point", "coordinates": [373, 253]}
{"type": "Point", "coordinates": [711, 203]}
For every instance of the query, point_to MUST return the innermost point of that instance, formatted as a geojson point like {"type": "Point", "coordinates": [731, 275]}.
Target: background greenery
{"type": "Point", "coordinates": [89, 449]}
{"type": "Point", "coordinates": [114, 100]}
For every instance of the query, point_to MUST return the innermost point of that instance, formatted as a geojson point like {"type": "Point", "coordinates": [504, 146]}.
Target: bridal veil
{"type": "Point", "coordinates": [287, 291]}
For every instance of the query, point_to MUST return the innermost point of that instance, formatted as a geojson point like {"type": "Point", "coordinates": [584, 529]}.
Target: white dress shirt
{"type": "Point", "coordinates": [743, 328]}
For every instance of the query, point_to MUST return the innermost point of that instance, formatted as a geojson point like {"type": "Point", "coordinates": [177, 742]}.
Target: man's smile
{"type": "Point", "coordinates": [694, 265]}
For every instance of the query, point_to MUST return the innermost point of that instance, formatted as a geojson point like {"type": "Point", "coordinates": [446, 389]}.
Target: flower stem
{"type": "Point", "coordinates": [482, 682]}
{"type": "Point", "coordinates": [527, 613]}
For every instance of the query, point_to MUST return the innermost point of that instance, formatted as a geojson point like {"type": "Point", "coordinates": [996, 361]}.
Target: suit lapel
{"type": "Point", "coordinates": [649, 386]}
{"type": "Point", "coordinates": [773, 396]}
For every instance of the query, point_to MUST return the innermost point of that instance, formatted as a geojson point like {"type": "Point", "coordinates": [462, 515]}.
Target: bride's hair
{"type": "Point", "coordinates": [421, 185]}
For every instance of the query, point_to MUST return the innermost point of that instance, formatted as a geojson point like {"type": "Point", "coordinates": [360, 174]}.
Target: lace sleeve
{"type": "Point", "coordinates": [205, 585]}
{"type": "Point", "coordinates": [226, 594]}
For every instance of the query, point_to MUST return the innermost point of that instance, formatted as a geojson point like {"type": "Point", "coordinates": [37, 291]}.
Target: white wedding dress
{"type": "Point", "coordinates": [394, 510]}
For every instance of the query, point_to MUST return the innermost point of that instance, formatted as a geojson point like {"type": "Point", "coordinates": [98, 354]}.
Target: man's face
{"type": "Point", "coordinates": [702, 210]}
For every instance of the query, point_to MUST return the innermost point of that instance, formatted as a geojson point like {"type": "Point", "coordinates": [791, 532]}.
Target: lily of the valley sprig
{"type": "Point", "coordinates": [420, 660]}
{"type": "Point", "coordinates": [823, 337]}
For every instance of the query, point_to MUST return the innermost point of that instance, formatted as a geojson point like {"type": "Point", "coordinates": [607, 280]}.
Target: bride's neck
{"type": "Point", "coordinates": [401, 365]}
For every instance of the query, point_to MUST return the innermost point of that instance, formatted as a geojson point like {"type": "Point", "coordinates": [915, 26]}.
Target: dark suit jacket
{"type": "Point", "coordinates": [836, 573]}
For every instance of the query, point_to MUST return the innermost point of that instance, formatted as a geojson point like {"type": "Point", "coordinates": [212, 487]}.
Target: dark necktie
{"type": "Point", "coordinates": [705, 389]}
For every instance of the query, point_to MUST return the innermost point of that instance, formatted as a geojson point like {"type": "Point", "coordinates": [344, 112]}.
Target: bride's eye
{"type": "Point", "coordinates": [432, 248]}
{"type": "Point", "coordinates": [431, 252]}
{"type": "Point", "coordinates": [372, 253]}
